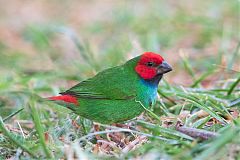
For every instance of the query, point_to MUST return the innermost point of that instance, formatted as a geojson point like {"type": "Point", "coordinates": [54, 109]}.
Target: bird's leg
{"type": "Point", "coordinates": [102, 144]}
{"type": "Point", "coordinates": [121, 125]}
{"type": "Point", "coordinates": [96, 128]}
{"type": "Point", "coordinates": [120, 138]}
{"type": "Point", "coordinates": [128, 125]}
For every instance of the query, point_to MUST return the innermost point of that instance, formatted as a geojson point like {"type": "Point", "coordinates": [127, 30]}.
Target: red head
{"type": "Point", "coordinates": [151, 65]}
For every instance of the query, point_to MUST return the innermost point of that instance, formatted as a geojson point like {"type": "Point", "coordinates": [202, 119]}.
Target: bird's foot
{"type": "Point", "coordinates": [96, 128]}
{"type": "Point", "coordinates": [122, 125]}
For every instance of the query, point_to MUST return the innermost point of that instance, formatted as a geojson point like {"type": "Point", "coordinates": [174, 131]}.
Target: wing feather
{"type": "Point", "coordinates": [114, 83]}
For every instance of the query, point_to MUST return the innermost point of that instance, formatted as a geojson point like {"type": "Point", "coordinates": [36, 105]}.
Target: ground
{"type": "Point", "coordinates": [48, 46]}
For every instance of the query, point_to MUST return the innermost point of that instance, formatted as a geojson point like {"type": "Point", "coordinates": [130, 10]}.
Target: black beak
{"type": "Point", "coordinates": [164, 68]}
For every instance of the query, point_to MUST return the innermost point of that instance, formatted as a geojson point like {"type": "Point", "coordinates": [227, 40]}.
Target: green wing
{"type": "Point", "coordinates": [114, 83]}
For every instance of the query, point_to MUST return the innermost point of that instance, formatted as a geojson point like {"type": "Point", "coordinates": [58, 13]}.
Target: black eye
{"type": "Point", "coordinates": [150, 64]}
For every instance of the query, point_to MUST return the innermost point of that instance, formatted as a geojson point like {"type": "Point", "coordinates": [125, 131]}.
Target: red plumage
{"type": "Point", "coordinates": [145, 71]}
{"type": "Point", "coordinates": [65, 98]}
{"type": "Point", "coordinates": [150, 56]}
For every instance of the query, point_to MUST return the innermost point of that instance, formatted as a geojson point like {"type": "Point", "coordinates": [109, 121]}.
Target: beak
{"type": "Point", "coordinates": [164, 68]}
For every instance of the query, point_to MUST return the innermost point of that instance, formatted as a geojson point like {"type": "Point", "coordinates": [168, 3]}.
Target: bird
{"type": "Point", "coordinates": [117, 94]}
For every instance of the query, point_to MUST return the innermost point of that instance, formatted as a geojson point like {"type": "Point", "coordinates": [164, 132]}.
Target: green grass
{"type": "Point", "coordinates": [201, 41]}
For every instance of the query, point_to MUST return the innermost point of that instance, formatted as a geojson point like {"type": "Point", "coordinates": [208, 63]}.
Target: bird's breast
{"type": "Point", "coordinates": [148, 93]}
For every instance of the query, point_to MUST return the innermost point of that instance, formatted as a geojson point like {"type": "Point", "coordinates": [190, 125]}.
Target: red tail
{"type": "Point", "coordinates": [65, 98]}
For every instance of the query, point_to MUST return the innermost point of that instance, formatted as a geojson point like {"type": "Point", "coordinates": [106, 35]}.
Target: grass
{"type": "Point", "coordinates": [201, 42]}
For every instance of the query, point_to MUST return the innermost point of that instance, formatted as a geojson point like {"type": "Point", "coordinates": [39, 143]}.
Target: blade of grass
{"type": "Point", "coordinates": [170, 141]}
{"type": "Point", "coordinates": [201, 105]}
{"type": "Point", "coordinates": [201, 122]}
{"type": "Point", "coordinates": [234, 102]}
{"type": "Point", "coordinates": [201, 78]}
{"type": "Point", "coordinates": [11, 115]}
{"type": "Point", "coordinates": [234, 56]}
{"type": "Point", "coordinates": [160, 130]}
{"type": "Point", "coordinates": [14, 140]}
{"type": "Point", "coordinates": [166, 97]}
{"type": "Point", "coordinates": [163, 108]}
{"type": "Point", "coordinates": [187, 65]}
{"type": "Point", "coordinates": [149, 111]}
{"type": "Point", "coordinates": [39, 129]}
{"type": "Point", "coordinates": [117, 129]}
{"type": "Point", "coordinates": [216, 145]}
{"type": "Point", "coordinates": [220, 108]}
{"type": "Point", "coordinates": [233, 86]}
{"type": "Point", "coordinates": [83, 49]}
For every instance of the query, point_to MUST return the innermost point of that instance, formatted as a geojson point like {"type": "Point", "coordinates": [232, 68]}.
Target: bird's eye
{"type": "Point", "coordinates": [150, 64]}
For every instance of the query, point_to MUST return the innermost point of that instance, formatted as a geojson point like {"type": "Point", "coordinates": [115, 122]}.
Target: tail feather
{"type": "Point", "coordinates": [65, 98]}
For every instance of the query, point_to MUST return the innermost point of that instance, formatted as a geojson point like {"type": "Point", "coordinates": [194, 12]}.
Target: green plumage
{"type": "Point", "coordinates": [117, 94]}
{"type": "Point", "coordinates": [112, 95]}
